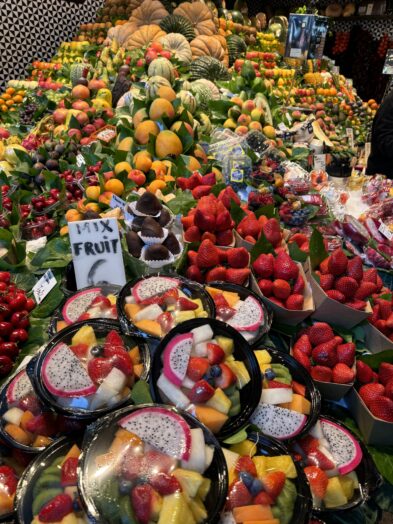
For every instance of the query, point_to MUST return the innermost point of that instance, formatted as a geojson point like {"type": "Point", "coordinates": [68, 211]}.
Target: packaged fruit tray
{"type": "Point", "coordinates": [152, 463]}
{"type": "Point", "coordinates": [89, 369]}
{"type": "Point", "coordinates": [290, 404]}
{"type": "Point", "coordinates": [265, 483]}
{"type": "Point", "coordinates": [11, 470]}
{"type": "Point", "coordinates": [151, 306]}
{"type": "Point", "coordinates": [340, 471]}
{"type": "Point", "coordinates": [207, 367]}
{"type": "Point", "coordinates": [242, 309]}
{"type": "Point", "coordinates": [47, 491]}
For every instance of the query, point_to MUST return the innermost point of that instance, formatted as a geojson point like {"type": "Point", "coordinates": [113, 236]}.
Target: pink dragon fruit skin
{"type": "Point", "coordinates": [344, 447]}
{"type": "Point", "coordinates": [278, 422]}
{"type": "Point", "coordinates": [78, 304]}
{"type": "Point", "coordinates": [248, 317]}
{"type": "Point", "coordinates": [19, 387]}
{"type": "Point", "coordinates": [176, 356]}
{"type": "Point", "coordinates": [373, 225]}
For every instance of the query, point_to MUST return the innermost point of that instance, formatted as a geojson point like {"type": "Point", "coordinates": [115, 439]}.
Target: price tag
{"type": "Point", "coordinates": [296, 52]}
{"type": "Point", "coordinates": [45, 284]}
{"type": "Point", "coordinates": [369, 9]}
{"type": "Point", "coordinates": [282, 126]}
{"type": "Point", "coordinates": [383, 228]}
{"type": "Point", "coordinates": [80, 161]}
{"type": "Point", "coordinates": [349, 133]}
{"type": "Point", "coordinates": [320, 162]}
{"type": "Point", "coordinates": [117, 202]}
{"type": "Point", "coordinates": [106, 134]}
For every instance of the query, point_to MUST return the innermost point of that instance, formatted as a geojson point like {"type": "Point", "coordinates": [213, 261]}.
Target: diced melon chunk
{"type": "Point", "coordinates": [212, 418]}
{"type": "Point", "coordinates": [299, 404]}
{"type": "Point", "coordinates": [151, 327]}
{"type": "Point", "coordinates": [252, 512]}
{"type": "Point", "coordinates": [131, 310]}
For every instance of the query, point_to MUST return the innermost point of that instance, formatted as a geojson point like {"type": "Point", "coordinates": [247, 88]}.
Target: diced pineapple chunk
{"type": "Point", "coordinates": [245, 448]}
{"type": "Point", "coordinates": [112, 299]}
{"type": "Point", "coordinates": [348, 486]}
{"type": "Point", "coordinates": [226, 344]}
{"type": "Point", "coordinates": [334, 496]}
{"type": "Point", "coordinates": [260, 465]}
{"type": "Point", "coordinates": [281, 463]}
{"type": "Point", "coordinates": [190, 481]}
{"type": "Point", "coordinates": [204, 488]}
{"type": "Point", "coordinates": [263, 356]}
{"type": "Point", "coordinates": [175, 510]}
{"type": "Point", "coordinates": [219, 401]}
{"type": "Point", "coordinates": [198, 510]}
{"type": "Point", "coordinates": [84, 335]}
{"type": "Point", "coordinates": [241, 372]}
{"type": "Point", "coordinates": [182, 316]}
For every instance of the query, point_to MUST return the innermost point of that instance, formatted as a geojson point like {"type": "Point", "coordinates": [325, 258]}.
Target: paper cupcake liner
{"type": "Point", "coordinates": [149, 241]}
{"type": "Point", "coordinates": [156, 264]}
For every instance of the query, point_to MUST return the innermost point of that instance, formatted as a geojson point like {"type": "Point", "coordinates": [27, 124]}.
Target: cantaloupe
{"type": "Point", "coordinates": [253, 512]}
{"type": "Point", "coordinates": [299, 404]}
{"type": "Point", "coordinates": [135, 355]}
{"type": "Point", "coordinates": [231, 297]}
{"type": "Point", "coordinates": [131, 310]}
{"type": "Point", "coordinates": [138, 370]}
{"type": "Point", "coordinates": [149, 326]}
{"type": "Point", "coordinates": [61, 324]}
{"type": "Point", "coordinates": [212, 418]}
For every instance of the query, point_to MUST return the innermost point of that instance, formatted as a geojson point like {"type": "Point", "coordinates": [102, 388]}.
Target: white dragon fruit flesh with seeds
{"type": "Point", "coordinates": [345, 449]}
{"type": "Point", "coordinates": [64, 375]}
{"type": "Point", "coordinates": [166, 431]}
{"type": "Point", "coordinates": [197, 458]}
{"type": "Point", "coordinates": [79, 304]}
{"type": "Point", "coordinates": [176, 357]}
{"type": "Point", "coordinates": [152, 286]}
{"type": "Point", "coordinates": [278, 422]}
{"type": "Point", "coordinates": [248, 316]}
{"type": "Point", "coordinates": [19, 388]}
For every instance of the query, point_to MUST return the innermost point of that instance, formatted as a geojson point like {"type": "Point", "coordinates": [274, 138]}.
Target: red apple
{"type": "Point", "coordinates": [60, 115]}
{"type": "Point", "coordinates": [84, 141]}
{"type": "Point", "coordinates": [137, 176]}
{"type": "Point", "coordinates": [98, 123]}
{"type": "Point", "coordinates": [108, 175]}
{"type": "Point", "coordinates": [82, 118]}
{"type": "Point", "coordinates": [75, 133]}
{"type": "Point", "coordinates": [150, 55]}
{"type": "Point", "coordinates": [81, 105]}
{"type": "Point", "coordinates": [89, 129]}
{"type": "Point", "coordinates": [4, 133]}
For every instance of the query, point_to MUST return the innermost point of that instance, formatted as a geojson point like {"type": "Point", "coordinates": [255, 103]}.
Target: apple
{"type": "Point", "coordinates": [137, 176]}
{"type": "Point", "coordinates": [59, 116]}
{"type": "Point", "coordinates": [75, 133]}
{"type": "Point", "coordinates": [98, 123]}
{"type": "Point", "coordinates": [255, 126]}
{"type": "Point", "coordinates": [95, 84]}
{"type": "Point", "coordinates": [81, 105]}
{"type": "Point", "coordinates": [89, 129]}
{"type": "Point", "coordinates": [82, 118]}
{"type": "Point", "coordinates": [156, 46]}
{"type": "Point", "coordinates": [244, 119]}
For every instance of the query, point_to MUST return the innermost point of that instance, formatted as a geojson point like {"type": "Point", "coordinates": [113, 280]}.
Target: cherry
{"type": "Point", "coordinates": [5, 276]}
{"type": "Point", "coordinates": [20, 319]}
{"type": "Point", "coordinates": [30, 304]}
{"type": "Point", "coordinates": [3, 286]}
{"type": "Point", "coordinates": [9, 348]}
{"type": "Point", "coordinates": [5, 365]}
{"type": "Point", "coordinates": [5, 310]}
{"type": "Point", "coordinates": [18, 302]}
{"type": "Point", "coordinates": [19, 335]}
{"type": "Point", "coordinates": [5, 328]}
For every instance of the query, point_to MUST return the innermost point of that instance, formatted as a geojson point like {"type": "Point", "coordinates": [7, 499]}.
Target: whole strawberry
{"type": "Point", "coordinates": [346, 353]}
{"type": "Point", "coordinates": [285, 268]}
{"type": "Point", "coordinates": [347, 286]}
{"type": "Point", "coordinates": [355, 268]}
{"type": "Point", "coordinates": [56, 509]}
{"type": "Point", "coordinates": [325, 354]}
{"type": "Point", "coordinates": [320, 332]}
{"type": "Point", "coordinates": [382, 407]}
{"type": "Point", "coordinates": [238, 257]}
{"type": "Point", "coordinates": [321, 373]}
{"type": "Point", "coordinates": [207, 255]}
{"type": "Point", "coordinates": [385, 372]}
{"type": "Point", "coordinates": [272, 232]}
{"type": "Point", "coordinates": [264, 265]}
{"type": "Point", "coordinates": [364, 373]}
{"type": "Point", "coordinates": [369, 392]}
{"type": "Point", "coordinates": [295, 302]}
{"type": "Point", "coordinates": [338, 262]}
{"type": "Point", "coordinates": [342, 374]}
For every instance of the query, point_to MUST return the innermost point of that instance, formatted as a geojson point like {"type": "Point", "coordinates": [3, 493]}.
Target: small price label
{"type": "Point", "coordinates": [45, 284]}
{"type": "Point", "coordinates": [117, 202]}
{"type": "Point", "coordinates": [383, 228]}
{"type": "Point", "coordinates": [320, 162]}
{"type": "Point", "coordinates": [349, 133]}
{"type": "Point", "coordinates": [282, 126]}
{"type": "Point", "coordinates": [106, 134]}
{"type": "Point", "coordinates": [80, 161]}
{"type": "Point", "coordinates": [369, 9]}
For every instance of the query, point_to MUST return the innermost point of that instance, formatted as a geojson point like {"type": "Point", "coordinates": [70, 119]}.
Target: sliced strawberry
{"type": "Point", "coordinates": [238, 495]}
{"type": "Point", "coordinates": [298, 388]}
{"type": "Point", "coordinates": [43, 424]}
{"type": "Point", "coordinates": [201, 392]}
{"type": "Point", "coordinates": [303, 344]}
{"type": "Point", "coordinates": [8, 479]}
{"type": "Point", "coordinates": [215, 353]}
{"type": "Point", "coordinates": [142, 498]}
{"type": "Point", "coordinates": [197, 368]}
{"type": "Point", "coordinates": [170, 296]}
{"type": "Point", "coordinates": [166, 321]}
{"type": "Point", "coordinates": [69, 472]}
{"type": "Point", "coordinates": [56, 509]}
{"type": "Point", "coordinates": [226, 379]}
{"type": "Point", "coordinates": [317, 458]}
{"type": "Point", "coordinates": [113, 344]}
{"type": "Point", "coordinates": [274, 384]}
{"type": "Point", "coordinates": [308, 444]}
{"type": "Point", "coordinates": [246, 464]}
{"type": "Point", "coordinates": [99, 368]}
{"type": "Point", "coordinates": [318, 480]}
{"type": "Point", "coordinates": [237, 276]}
{"type": "Point", "coordinates": [165, 484]}
{"type": "Point", "coordinates": [123, 362]}
{"type": "Point", "coordinates": [102, 302]}
{"type": "Point", "coordinates": [273, 483]}
{"type": "Point", "coordinates": [80, 350]}
{"type": "Point", "coordinates": [184, 304]}
{"type": "Point", "coordinates": [263, 498]}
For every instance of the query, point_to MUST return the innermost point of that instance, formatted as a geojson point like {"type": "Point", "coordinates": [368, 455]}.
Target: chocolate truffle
{"type": "Point", "coordinates": [157, 252]}
{"type": "Point", "coordinates": [172, 243]}
{"type": "Point", "coordinates": [151, 228]}
{"type": "Point", "coordinates": [134, 244]}
{"type": "Point", "coordinates": [148, 204]}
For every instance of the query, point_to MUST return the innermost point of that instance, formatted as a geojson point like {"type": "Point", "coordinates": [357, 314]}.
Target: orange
{"type": "Point", "coordinates": [93, 192]}
{"type": "Point", "coordinates": [10, 102]}
{"type": "Point", "coordinates": [92, 206]}
{"type": "Point", "coordinates": [18, 99]}
{"type": "Point", "coordinates": [73, 215]}
{"type": "Point", "coordinates": [142, 161]}
{"type": "Point", "coordinates": [115, 186]}
{"type": "Point", "coordinates": [6, 96]}
{"type": "Point", "coordinates": [4, 108]}
{"type": "Point", "coordinates": [21, 92]}
{"type": "Point", "coordinates": [64, 231]}
{"type": "Point", "coordinates": [10, 90]}
{"type": "Point", "coordinates": [156, 185]}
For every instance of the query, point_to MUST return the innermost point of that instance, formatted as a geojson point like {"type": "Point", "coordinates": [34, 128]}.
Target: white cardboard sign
{"type": "Point", "coordinates": [96, 252]}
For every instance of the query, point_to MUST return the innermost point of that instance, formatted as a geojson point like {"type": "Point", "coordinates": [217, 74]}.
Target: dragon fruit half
{"type": "Point", "coordinates": [278, 422]}
{"type": "Point", "coordinates": [176, 356]}
{"type": "Point", "coordinates": [78, 304]}
{"type": "Point", "coordinates": [152, 286]}
{"type": "Point", "coordinates": [248, 316]}
{"type": "Point", "coordinates": [344, 447]}
{"type": "Point", "coordinates": [19, 388]}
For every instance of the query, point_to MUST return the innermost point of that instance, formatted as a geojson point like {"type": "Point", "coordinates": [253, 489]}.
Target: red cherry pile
{"type": "Point", "coordinates": [14, 321]}
{"type": "Point", "coordinates": [42, 202]}
{"type": "Point", "coordinates": [38, 226]}
{"type": "Point", "coordinates": [376, 390]}
{"type": "Point", "coordinates": [73, 191]}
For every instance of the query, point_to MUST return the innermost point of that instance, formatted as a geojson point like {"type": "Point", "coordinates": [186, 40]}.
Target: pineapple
{"type": "Point", "coordinates": [263, 356]}
{"type": "Point", "coordinates": [260, 465]}
{"type": "Point", "coordinates": [200, 309]}
{"type": "Point", "coordinates": [112, 299]}
{"type": "Point", "coordinates": [204, 488]}
{"type": "Point", "coordinates": [334, 496]}
{"type": "Point", "coordinates": [226, 344]}
{"type": "Point", "coordinates": [84, 335]}
{"type": "Point", "coordinates": [190, 481]}
{"type": "Point", "coordinates": [219, 401]}
{"type": "Point", "coordinates": [245, 448]}
{"type": "Point", "coordinates": [282, 463]}
{"type": "Point", "coordinates": [182, 316]}
{"type": "Point", "coordinates": [348, 486]}
{"type": "Point", "coordinates": [198, 510]}
{"type": "Point", "coordinates": [175, 510]}
{"type": "Point", "coordinates": [241, 372]}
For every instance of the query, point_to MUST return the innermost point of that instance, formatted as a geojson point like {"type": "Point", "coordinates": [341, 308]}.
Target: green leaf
{"type": "Point", "coordinates": [221, 106]}
{"type": "Point", "coordinates": [296, 253]}
{"type": "Point", "coordinates": [238, 437]}
{"type": "Point", "coordinates": [140, 393]}
{"type": "Point", "coordinates": [261, 246]}
{"type": "Point", "coordinates": [49, 304]}
{"type": "Point", "coordinates": [269, 211]}
{"type": "Point", "coordinates": [23, 157]}
{"type": "Point", "coordinates": [185, 137]}
{"type": "Point", "coordinates": [384, 497]}
{"type": "Point", "coordinates": [134, 267]}
{"type": "Point", "coordinates": [56, 249]}
{"type": "Point", "coordinates": [376, 359]}
{"type": "Point", "coordinates": [237, 213]}
{"type": "Point", "coordinates": [182, 203]}
{"type": "Point", "coordinates": [217, 188]}
{"type": "Point", "coordinates": [317, 249]}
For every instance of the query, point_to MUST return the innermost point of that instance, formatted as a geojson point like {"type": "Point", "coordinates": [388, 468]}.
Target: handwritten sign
{"type": "Point", "coordinates": [320, 162]}
{"type": "Point", "coordinates": [117, 202]}
{"type": "Point", "coordinates": [45, 284]}
{"type": "Point", "coordinates": [96, 252]}
{"type": "Point", "coordinates": [383, 228]}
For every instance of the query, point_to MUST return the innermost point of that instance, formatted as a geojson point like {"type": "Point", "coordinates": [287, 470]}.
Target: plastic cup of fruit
{"type": "Point", "coordinates": [151, 306]}
{"type": "Point", "coordinates": [339, 468]}
{"type": "Point", "coordinates": [87, 303]}
{"type": "Point", "coordinates": [222, 387]}
{"type": "Point", "coordinates": [252, 469]}
{"type": "Point", "coordinates": [246, 312]}
{"type": "Point", "coordinates": [39, 226]}
{"type": "Point", "coordinates": [89, 369]}
{"type": "Point", "coordinates": [152, 462]}
{"type": "Point", "coordinates": [290, 403]}
{"type": "Point", "coordinates": [51, 477]}
{"type": "Point", "coordinates": [11, 469]}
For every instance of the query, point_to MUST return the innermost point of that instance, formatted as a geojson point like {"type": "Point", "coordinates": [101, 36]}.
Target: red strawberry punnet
{"type": "Point", "coordinates": [192, 234]}
{"type": "Point", "coordinates": [365, 290]}
{"type": "Point", "coordinates": [266, 286]}
{"type": "Point", "coordinates": [298, 287]}
{"type": "Point", "coordinates": [285, 268]}
{"type": "Point", "coordinates": [347, 286]}
{"type": "Point", "coordinates": [385, 372]}
{"type": "Point", "coordinates": [389, 389]}
{"type": "Point", "coordinates": [237, 276]}
{"type": "Point", "coordinates": [369, 392]}
{"type": "Point", "coordinates": [295, 302]}
{"type": "Point", "coordinates": [216, 274]}
{"type": "Point", "coordinates": [238, 257]}
{"type": "Point", "coordinates": [272, 232]}
{"type": "Point", "coordinates": [207, 255]}
{"type": "Point", "coordinates": [334, 294]}
{"type": "Point", "coordinates": [325, 354]}
{"type": "Point", "coordinates": [303, 359]}
{"type": "Point", "coordinates": [355, 268]}
{"type": "Point", "coordinates": [194, 273]}
{"type": "Point", "coordinates": [326, 281]}
{"type": "Point", "coordinates": [281, 289]}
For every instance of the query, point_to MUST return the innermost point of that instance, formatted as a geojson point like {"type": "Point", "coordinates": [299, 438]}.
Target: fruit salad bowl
{"type": "Point", "coordinates": [151, 306]}
{"type": "Point", "coordinates": [152, 463]}
{"type": "Point", "coordinates": [207, 368]}
{"type": "Point", "coordinates": [89, 369]}
{"type": "Point", "coordinates": [265, 483]}
{"type": "Point", "coordinates": [25, 423]}
{"type": "Point", "coordinates": [48, 488]}
{"type": "Point", "coordinates": [290, 403]}
{"type": "Point", "coordinates": [11, 469]}
{"type": "Point", "coordinates": [340, 470]}
{"type": "Point", "coordinates": [242, 309]}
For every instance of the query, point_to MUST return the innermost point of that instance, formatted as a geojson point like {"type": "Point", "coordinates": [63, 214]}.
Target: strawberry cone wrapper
{"type": "Point", "coordinates": [376, 341]}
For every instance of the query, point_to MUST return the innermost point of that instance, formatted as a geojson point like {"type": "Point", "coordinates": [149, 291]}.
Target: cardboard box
{"type": "Point", "coordinates": [283, 315]}
{"type": "Point", "coordinates": [375, 340]}
{"type": "Point", "coordinates": [374, 430]}
{"type": "Point", "coordinates": [331, 311]}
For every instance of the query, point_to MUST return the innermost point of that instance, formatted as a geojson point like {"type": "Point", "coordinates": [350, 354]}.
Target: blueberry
{"type": "Point", "coordinates": [246, 478]}
{"type": "Point", "coordinates": [256, 487]}
{"type": "Point", "coordinates": [125, 487]}
{"type": "Point", "coordinates": [96, 351]}
{"type": "Point", "coordinates": [209, 379]}
{"type": "Point", "coordinates": [270, 375]}
{"type": "Point", "coordinates": [76, 505]}
{"type": "Point", "coordinates": [215, 371]}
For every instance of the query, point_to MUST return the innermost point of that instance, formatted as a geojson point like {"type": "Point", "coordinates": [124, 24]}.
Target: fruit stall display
{"type": "Point", "coordinates": [205, 388]}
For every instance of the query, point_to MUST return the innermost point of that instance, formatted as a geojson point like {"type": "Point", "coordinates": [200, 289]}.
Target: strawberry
{"type": "Point", "coordinates": [347, 286]}
{"type": "Point", "coordinates": [379, 283]}
{"type": "Point", "coordinates": [201, 392]}
{"type": "Point", "coordinates": [238, 257]}
{"type": "Point", "coordinates": [364, 373]}
{"type": "Point", "coordinates": [102, 302]}
{"type": "Point", "coordinates": [99, 368]}
{"type": "Point", "coordinates": [42, 424]}
{"type": "Point", "coordinates": [184, 304]}
{"type": "Point", "coordinates": [281, 289]}
{"type": "Point", "coordinates": [205, 221]}
{"type": "Point", "coordinates": [298, 286]}
{"type": "Point", "coordinates": [263, 498]}
{"type": "Point", "coordinates": [272, 232]}
{"type": "Point", "coordinates": [223, 221]}
{"type": "Point", "coordinates": [339, 340]}
{"type": "Point", "coordinates": [369, 392]}
{"type": "Point", "coordinates": [187, 221]}
{"type": "Point", "coordinates": [285, 268]}
{"type": "Point", "coordinates": [224, 238]}
{"type": "Point", "coordinates": [300, 389]}
{"type": "Point", "coordinates": [303, 359]}
{"type": "Point", "coordinates": [295, 302]}
{"type": "Point", "coordinates": [277, 301]}
{"type": "Point", "coordinates": [191, 257]}
{"type": "Point", "coordinates": [250, 227]}
{"type": "Point", "coordinates": [222, 255]}
{"type": "Point", "coordinates": [317, 458]}
{"type": "Point", "coordinates": [8, 479]}
{"type": "Point", "coordinates": [209, 236]}
{"type": "Point", "coordinates": [370, 275]}
{"type": "Point", "coordinates": [194, 273]}
{"type": "Point", "coordinates": [142, 497]}
{"type": "Point", "coordinates": [326, 281]}
{"type": "Point", "coordinates": [299, 238]}
{"type": "Point", "coordinates": [389, 389]}
{"type": "Point", "coordinates": [303, 344]}
{"type": "Point", "coordinates": [207, 255]}
{"type": "Point", "coordinates": [325, 354]}
{"type": "Point", "coordinates": [375, 314]}
{"type": "Point", "coordinates": [264, 265]}
{"type": "Point", "coordinates": [165, 484]}
{"type": "Point", "coordinates": [342, 374]}
{"type": "Point", "coordinates": [355, 268]}
{"type": "Point", "coordinates": [216, 274]}
{"type": "Point", "coordinates": [238, 495]}
{"type": "Point", "coordinates": [309, 444]}
{"type": "Point", "coordinates": [197, 368]}
{"type": "Point", "coordinates": [113, 344]}
{"type": "Point", "coordinates": [192, 234]}
{"type": "Point", "coordinates": [382, 407]}
{"type": "Point", "coordinates": [209, 179]}
{"type": "Point", "coordinates": [334, 294]}
{"type": "Point", "coordinates": [237, 276]}
{"type": "Point", "coordinates": [277, 385]}
{"type": "Point", "coordinates": [324, 266]}
{"type": "Point", "coordinates": [346, 353]}
{"type": "Point", "coordinates": [356, 304]}
{"type": "Point", "coordinates": [123, 362]}
{"type": "Point", "coordinates": [365, 290]}
{"type": "Point", "coordinates": [68, 472]}
{"type": "Point", "coordinates": [166, 321]}
{"type": "Point", "coordinates": [226, 379]}
{"type": "Point", "coordinates": [194, 180]}
{"type": "Point", "coordinates": [266, 286]}
{"type": "Point", "coordinates": [227, 195]}
{"type": "Point", "coordinates": [182, 182]}
{"type": "Point", "coordinates": [321, 373]}
{"type": "Point", "coordinates": [317, 479]}
{"type": "Point", "coordinates": [220, 301]}
{"type": "Point", "coordinates": [246, 464]}
{"type": "Point", "coordinates": [80, 350]}
{"type": "Point", "coordinates": [273, 483]}
{"type": "Point", "coordinates": [250, 239]}
{"type": "Point", "coordinates": [385, 372]}
{"type": "Point", "coordinates": [338, 262]}
{"type": "Point", "coordinates": [56, 509]}
{"type": "Point", "coordinates": [385, 308]}
{"type": "Point", "coordinates": [201, 191]}
{"type": "Point", "coordinates": [215, 354]}
{"type": "Point", "coordinates": [389, 321]}
{"type": "Point", "coordinates": [382, 327]}
{"type": "Point", "coordinates": [319, 333]}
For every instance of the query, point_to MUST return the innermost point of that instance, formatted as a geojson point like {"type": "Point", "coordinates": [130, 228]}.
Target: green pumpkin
{"type": "Point", "coordinates": [178, 24]}
{"type": "Point", "coordinates": [210, 68]}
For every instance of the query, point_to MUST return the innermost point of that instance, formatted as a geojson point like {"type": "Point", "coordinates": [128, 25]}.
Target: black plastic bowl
{"type": "Point", "coordinates": [101, 328]}
{"type": "Point", "coordinates": [250, 394]}
{"type": "Point", "coordinates": [189, 288]}
{"type": "Point", "coordinates": [100, 434]}
{"type": "Point", "coordinates": [24, 492]}
{"type": "Point", "coordinates": [244, 292]}
{"type": "Point", "coordinates": [301, 375]}
{"type": "Point", "coordinates": [58, 315]}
